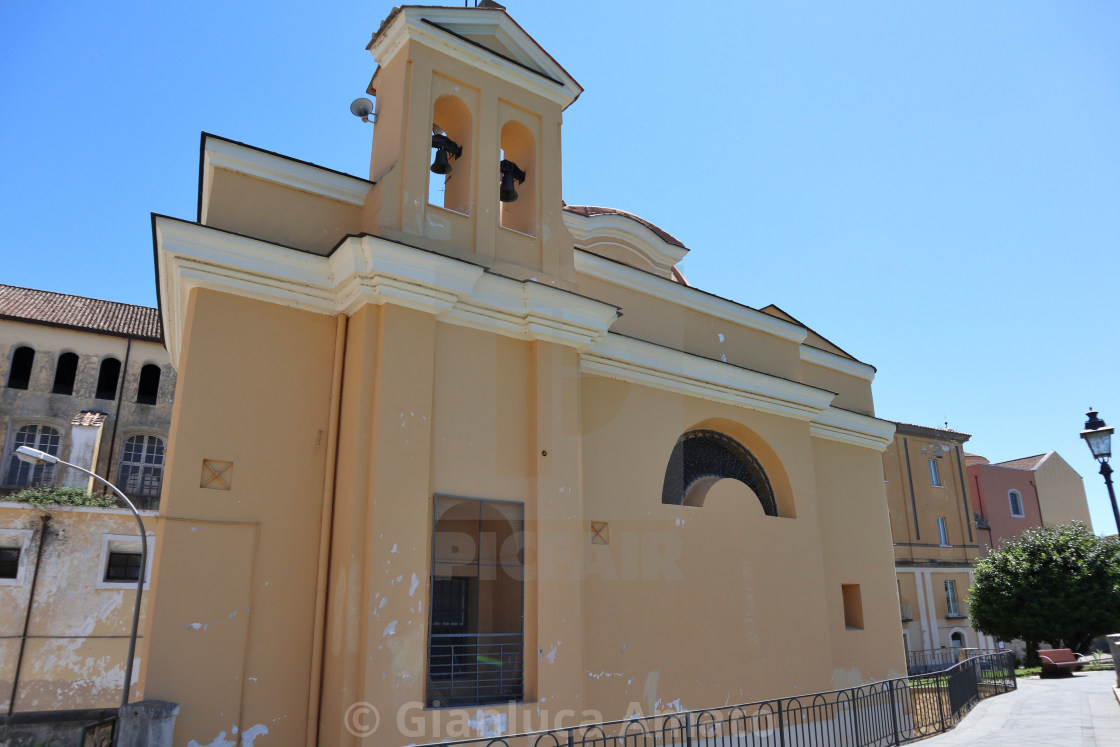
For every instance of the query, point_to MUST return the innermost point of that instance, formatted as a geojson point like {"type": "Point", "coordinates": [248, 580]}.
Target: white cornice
{"type": "Point", "coordinates": [223, 154]}
{"type": "Point", "coordinates": [838, 363]}
{"type": "Point", "coordinates": [639, 362]}
{"type": "Point", "coordinates": [590, 231]}
{"type": "Point", "coordinates": [853, 429]}
{"type": "Point", "coordinates": [364, 270]}
{"type": "Point", "coordinates": [686, 296]}
{"type": "Point", "coordinates": [408, 24]}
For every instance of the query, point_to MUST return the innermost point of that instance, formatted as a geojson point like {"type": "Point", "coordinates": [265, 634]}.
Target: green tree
{"type": "Point", "coordinates": [1058, 583]}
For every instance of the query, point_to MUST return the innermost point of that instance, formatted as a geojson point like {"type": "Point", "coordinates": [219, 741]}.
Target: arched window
{"type": "Point", "coordinates": [1016, 501]}
{"type": "Point", "coordinates": [148, 389]}
{"type": "Point", "coordinates": [65, 371]}
{"type": "Point", "coordinates": [452, 119]}
{"type": "Point", "coordinates": [19, 375]}
{"type": "Point", "coordinates": [107, 379]}
{"type": "Point", "coordinates": [956, 640]}
{"type": "Point", "coordinates": [141, 470]}
{"type": "Point", "coordinates": [703, 457]}
{"type": "Point", "coordinates": [23, 474]}
{"type": "Point", "coordinates": [519, 147]}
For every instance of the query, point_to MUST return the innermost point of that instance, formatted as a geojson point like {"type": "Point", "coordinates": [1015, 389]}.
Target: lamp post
{"type": "Point", "coordinates": [1099, 437]}
{"type": "Point", "coordinates": [35, 456]}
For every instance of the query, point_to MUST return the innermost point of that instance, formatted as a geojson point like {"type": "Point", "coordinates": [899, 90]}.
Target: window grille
{"type": "Point", "coordinates": [141, 469]}
{"type": "Point", "coordinates": [23, 474]}
{"type": "Point", "coordinates": [1016, 503]}
{"type": "Point", "coordinates": [704, 456]}
{"type": "Point", "coordinates": [123, 566]}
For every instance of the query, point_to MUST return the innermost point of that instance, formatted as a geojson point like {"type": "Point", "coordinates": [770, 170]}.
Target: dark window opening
{"type": "Point", "coordinates": [123, 566]}
{"type": "Point", "coordinates": [19, 375]}
{"type": "Point", "coordinates": [701, 458]}
{"type": "Point", "coordinates": [9, 562]}
{"type": "Point", "coordinates": [107, 379]}
{"type": "Point", "coordinates": [65, 373]}
{"type": "Point", "coordinates": [148, 389]}
{"type": "Point", "coordinates": [475, 642]}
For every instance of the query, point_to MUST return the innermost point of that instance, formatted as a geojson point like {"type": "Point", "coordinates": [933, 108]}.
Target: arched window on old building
{"type": "Point", "coordinates": [703, 457]}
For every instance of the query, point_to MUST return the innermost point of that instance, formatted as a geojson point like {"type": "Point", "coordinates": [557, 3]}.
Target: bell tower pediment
{"type": "Point", "coordinates": [486, 38]}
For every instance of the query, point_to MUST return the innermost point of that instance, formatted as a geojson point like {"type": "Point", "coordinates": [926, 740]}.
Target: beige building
{"type": "Point", "coordinates": [935, 538]}
{"type": "Point", "coordinates": [89, 381]}
{"type": "Point", "coordinates": [470, 461]}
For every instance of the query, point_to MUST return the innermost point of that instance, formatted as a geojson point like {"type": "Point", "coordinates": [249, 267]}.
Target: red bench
{"type": "Point", "coordinates": [1057, 662]}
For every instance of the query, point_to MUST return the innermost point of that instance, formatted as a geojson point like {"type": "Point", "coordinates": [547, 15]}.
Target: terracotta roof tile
{"type": "Point", "coordinates": [89, 417]}
{"type": "Point", "coordinates": [590, 210]}
{"type": "Point", "coordinates": [1030, 462]}
{"type": "Point", "coordinates": [79, 312]}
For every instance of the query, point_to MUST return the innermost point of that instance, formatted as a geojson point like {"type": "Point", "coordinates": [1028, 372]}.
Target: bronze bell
{"type": "Point", "coordinates": [510, 171]}
{"type": "Point", "coordinates": [441, 164]}
{"type": "Point", "coordinates": [446, 148]}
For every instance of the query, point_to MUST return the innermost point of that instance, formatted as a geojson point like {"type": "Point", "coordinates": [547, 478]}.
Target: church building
{"type": "Point", "coordinates": [447, 449]}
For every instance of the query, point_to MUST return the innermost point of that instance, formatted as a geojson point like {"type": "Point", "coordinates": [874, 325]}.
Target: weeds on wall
{"type": "Point", "coordinates": [46, 497]}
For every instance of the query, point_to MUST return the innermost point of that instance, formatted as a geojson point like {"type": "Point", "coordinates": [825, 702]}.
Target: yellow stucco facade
{"type": "Point", "coordinates": [406, 430]}
{"type": "Point", "coordinates": [936, 540]}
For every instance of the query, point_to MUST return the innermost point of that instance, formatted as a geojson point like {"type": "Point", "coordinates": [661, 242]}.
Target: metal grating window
{"type": "Point", "coordinates": [123, 566]}
{"type": "Point", "coordinates": [704, 456]}
{"type": "Point", "coordinates": [141, 470]}
{"type": "Point", "coordinates": [24, 474]}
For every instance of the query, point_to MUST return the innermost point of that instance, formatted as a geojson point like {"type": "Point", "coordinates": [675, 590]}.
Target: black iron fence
{"type": "Point", "coordinates": [937, 659]}
{"type": "Point", "coordinates": [474, 668]}
{"type": "Point", "coordinates": [884, 713]}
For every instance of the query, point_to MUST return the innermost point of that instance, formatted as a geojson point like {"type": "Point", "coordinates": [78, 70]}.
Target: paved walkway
{"type": "Point", "coordinates": [1078, 710]}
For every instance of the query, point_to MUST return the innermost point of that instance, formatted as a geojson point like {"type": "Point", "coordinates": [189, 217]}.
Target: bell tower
{"type": "Point", "coordinates": [466, 147]}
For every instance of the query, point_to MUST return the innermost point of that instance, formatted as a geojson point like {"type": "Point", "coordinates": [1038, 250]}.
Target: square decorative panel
{"type": "Point", "coordinates": [216, 475]}
{"type": "Point", "coordinates": [600, 533]}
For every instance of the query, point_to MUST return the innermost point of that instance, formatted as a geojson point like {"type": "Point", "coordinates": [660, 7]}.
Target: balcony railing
{"type": "Point", "coordinates": [474, 668]}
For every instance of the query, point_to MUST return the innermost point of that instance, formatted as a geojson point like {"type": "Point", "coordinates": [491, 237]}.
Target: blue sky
{"type": "Point", "coordinates": [933, 186]}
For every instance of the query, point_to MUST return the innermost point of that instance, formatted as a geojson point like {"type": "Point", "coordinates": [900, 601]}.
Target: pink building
{"type": "Point", "coordinates": [1008, 497]}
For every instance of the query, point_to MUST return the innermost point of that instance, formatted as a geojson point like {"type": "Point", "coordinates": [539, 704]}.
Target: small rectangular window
{"type": "Point", "coordinates": [942, 531]}
{"type": "Point", "coordinates": [9, 562]}
{"type": "Point", "coordinates": [123, 566]}
{"type": "Point", "coordinates": [934, 474]}
{"type": "Point", "coordinates": [1016, 503]}
{"type": "Point", "coordinates": [853, 607]}
{"type": "Point", "coordinates": [952, 608]}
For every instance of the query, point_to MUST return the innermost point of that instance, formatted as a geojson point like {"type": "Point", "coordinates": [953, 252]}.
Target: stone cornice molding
{"type": "Point", "coordinates": [686, 296]}
{"type": "Point", "coordinates": [837, 363]}
{"type": "Point", "coordinates": [363, 270]}
{"type": "Point", "coordinates": [219, 153]}
{"type": "Point", "coordinates": [853, 428]}
{"type": "Point", "coordinates": [590, 231]}
{"type": "Point", "coordinates": [640, 362]}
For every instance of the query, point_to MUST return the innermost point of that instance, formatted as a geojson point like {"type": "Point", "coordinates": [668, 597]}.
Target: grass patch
{"type": "Point", "coordinates": [1103, 666]}
{"type": "Point", "coordinates": [46, 497]}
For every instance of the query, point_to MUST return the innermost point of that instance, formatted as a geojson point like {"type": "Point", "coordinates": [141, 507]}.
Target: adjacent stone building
{"type": "Point", "coordinates": [89, 381]}
{"type": "Point", "coordinates": [935, 538]}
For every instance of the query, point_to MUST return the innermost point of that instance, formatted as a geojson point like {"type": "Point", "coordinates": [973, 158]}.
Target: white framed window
{"type": "Point", "coordinates": [934, 474]}
{"type": "Point", "coordinates": [942, 531]}
{"type": "Point", "coordinates": [141, 468]}
{"type": "Point", "coordinates": [952, 605]}
{"type": "Point", "coordinates": [956, 640]}
{"type": "Point", "coordinates": [120, 562]}
{"type": "Point", "coordinates": [23, 474]}
{"type": "Point", "coordinates": [14, 546]}
{"type": "Point", "coordinates": [1016, 501]}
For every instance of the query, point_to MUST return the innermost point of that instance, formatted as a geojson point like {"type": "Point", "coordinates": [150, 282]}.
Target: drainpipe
{"type": "Point", "coordinates": [117, 416]}
{"type": "Point", "coordinates": [1037, 502]}
{"type": "Point", "coordinates": [44, 520]}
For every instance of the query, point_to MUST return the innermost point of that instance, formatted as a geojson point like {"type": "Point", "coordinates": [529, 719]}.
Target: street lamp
{"type": "Point", "coordinates": [1099, 437]}
{"type": "Point", "coordinates": [35, 456]}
